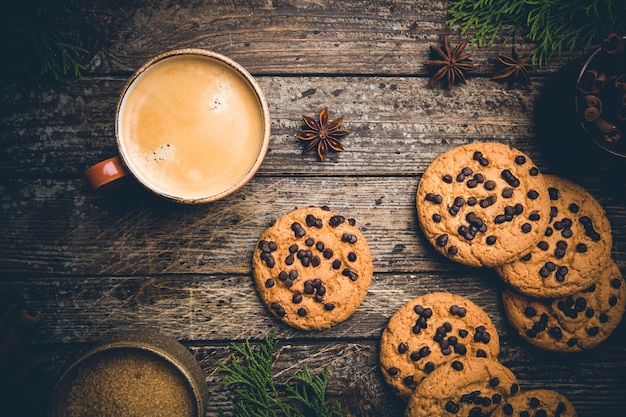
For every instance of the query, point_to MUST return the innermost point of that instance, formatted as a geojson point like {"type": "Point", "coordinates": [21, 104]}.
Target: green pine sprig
{"type": "Point", "coordinates": [249, 374]}
{"type": "Point", "coordinates": [556, 27]}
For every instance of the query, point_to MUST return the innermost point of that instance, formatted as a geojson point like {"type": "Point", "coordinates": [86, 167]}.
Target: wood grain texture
{"type": "Point", "coordinates": [96, 262]}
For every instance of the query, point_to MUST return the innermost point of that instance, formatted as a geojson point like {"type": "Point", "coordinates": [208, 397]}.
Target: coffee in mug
{"type": "Point", "coordinates": [192, 126]}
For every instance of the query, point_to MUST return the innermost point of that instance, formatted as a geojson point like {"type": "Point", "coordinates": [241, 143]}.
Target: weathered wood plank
{"type": "Point", "coordinates": [593, 381]}
{"type": "Point", "coordinates": [59, 226]}
{"type": "Point", "coordinates": [277, 37]}
{"type": "Point", "coordinates": [398, 126]}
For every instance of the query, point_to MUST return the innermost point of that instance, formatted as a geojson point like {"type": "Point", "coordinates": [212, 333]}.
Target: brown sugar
{"type": "Point", "coordinates": [130, 384]}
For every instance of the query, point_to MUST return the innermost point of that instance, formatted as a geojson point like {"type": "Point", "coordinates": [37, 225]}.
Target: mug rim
{"type": "Point", "coordinates": [258, 93]}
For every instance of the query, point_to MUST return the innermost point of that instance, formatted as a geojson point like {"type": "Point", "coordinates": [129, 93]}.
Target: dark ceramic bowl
{"type": "Point", "coordinates": [600, 98]}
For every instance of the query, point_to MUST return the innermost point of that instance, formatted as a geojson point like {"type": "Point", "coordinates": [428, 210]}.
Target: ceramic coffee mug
{"type": "Point", "coordinates": [191, 125]}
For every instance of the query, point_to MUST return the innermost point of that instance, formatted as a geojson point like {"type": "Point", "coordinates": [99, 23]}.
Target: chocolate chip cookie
{"type": "Point", "coordinates": [483, 204]}
{"type": "Point", "coordinates": [429, 331]}
{"type": "Point", "coordinates": [574, 322]}
{"type": "Point", "coordinates": [463, 387]}
{"type": "Point", "coordinates": [312, 268]}
{"type": "Point", "coordinates": [539, 402]}
{"type": "Point", "coordinates": [573, 248]}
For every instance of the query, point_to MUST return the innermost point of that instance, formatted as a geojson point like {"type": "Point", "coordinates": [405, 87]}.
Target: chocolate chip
{"type": "Point", "coordinates": [496, 398]}
{"type": "Point", "coordinates": [534, 216]}
{"type": "Point", "coordinates": [352, 256]}
{"type": "Point", "coordinates": [297, 229]}
{"type": "Point", "coordinates": [478, 156]}
{"type": "Point", "coordinates": [574, 208]}
{"type": "Point", "coordinates": [589, 229]}
{"type": "Point", "coordinates": [543, 245]}
{"type": "Point", "coordinates": [554, 193]}
{"type": "Point", "coordinates": [486, 202]}
{"type": "Point", "coordinates": [604, 318]}
{"type": "Point", "coordinates": [490, 185]}
{"type": "Point", "coordinates": [480, 353]}
{"type": "Point", "coordinates": [458, 311]}
{"type": "Point", "coordinates": [616, 283]}
{"type": "Point", "coordinates": [507, 409]}
{"type": "Point", "coordinates": [269, 283]}
{"type": "Point", "coordinates": [533, 172]}
{"type": "Point", "coordinates": [593, 331]}
{"type": "Point", "coordinates": [429, 367]}
{"type": "Point", "coordinates": [453, 250]}
{"type": "Point", "coordinates": [349, 238]}
{"type": "Point", "coordinates": [452, 407]}
{"type": "Point", "coordinates": [530, 312]}
{"type": "Point", "coordinates": [278, 309]}
{"type": "Point", "coordinates": [572, 342]}
{"type": "Point", "coordinates": [336, 221]}
{"type": "Point", "coordinates": [437, 218]}
{"type": "Point", "coordinates": [527, 228]}
{"type": "Point", "coordinates": [457, 365]}
{"type": "Point", "coordinates": [520, 160]}
{"type": "Point", "coordinates": [408, 381]}
{"type": "Point", "coordinates": [494, 382]}
{"type": "Point", "coordinates": [336, 264]}
{"type": "Point", "coordinates": [612, 301]}
{"type": "Point", "coordinates": [514, 388]}
{"type": "Point", "coordinates": [491, 240]}
{"type": "Point", "coordinates": [393, 371]}
{"type": "Point", "coordinates": [309, 242]}
{"type": "Point", "coordinates": [442, 240]}
{"type": "Point", "coordinates": [532, 194]}
{"type": "Point", "coordinates": [460, 349]}
{"type": "Point", "coordinates": [447, 179]}
{"type": "Point", "coordinates": [510, 179]}
{"type": "Point", "coordinates": [415, 356]}
{"type": "Point", "coordinates": [350, 274]}
{"type": "Point", "coordinates": [328, 253]}
{"type": "Point", "coordinates": [297, 298]}
{"type": "Point", "coordinates": [556, 333]}
{"type": "Point", "coordinates": [507, 192]}
{"type": "Point", "coordinates": [402, 348]}
{"type": "Point", "coordinates": [329, 306]}
{"type": "Point", "coordinates": [526, 257]}
{"type": "Point", "coordinates": [302, 312]}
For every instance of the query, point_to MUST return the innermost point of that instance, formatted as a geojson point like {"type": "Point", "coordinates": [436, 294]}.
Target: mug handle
{"type": "Point", "coordinates": [105, 172]}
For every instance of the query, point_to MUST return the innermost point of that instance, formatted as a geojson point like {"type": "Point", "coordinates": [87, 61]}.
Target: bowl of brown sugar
{"type": "Point", "coordinates": [142, 374]}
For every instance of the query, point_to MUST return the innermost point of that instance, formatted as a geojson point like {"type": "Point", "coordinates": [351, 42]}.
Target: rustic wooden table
{"type": "Point", "coordinates": [92, 262]}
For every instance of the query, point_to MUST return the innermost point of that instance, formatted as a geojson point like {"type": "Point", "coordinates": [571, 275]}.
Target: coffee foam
{"type": "Point", "coordinates": [190, 126]}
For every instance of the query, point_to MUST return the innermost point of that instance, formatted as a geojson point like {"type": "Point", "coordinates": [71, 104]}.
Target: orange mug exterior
{"type": "Point", "coordinates": [105, 172]}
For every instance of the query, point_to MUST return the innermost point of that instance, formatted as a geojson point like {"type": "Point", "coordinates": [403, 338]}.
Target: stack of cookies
{"type": "Point", "coordinates": [440, 351]}
{"type": "Point", "coordinates": [486, 204]}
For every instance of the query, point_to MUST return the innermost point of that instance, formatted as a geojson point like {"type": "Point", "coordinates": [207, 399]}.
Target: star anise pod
{"type": "Point", "coordinates": [323, 134]}
{"type": "Point", "coordinates": [513, 67]}
{"type": "Point", "coordinates": [452, 63]}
